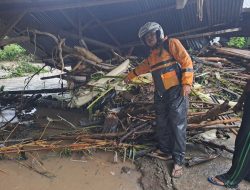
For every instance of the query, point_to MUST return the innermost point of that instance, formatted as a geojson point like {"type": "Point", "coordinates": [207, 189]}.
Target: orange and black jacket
{"type": "Point", "coordinates": [170, 66]}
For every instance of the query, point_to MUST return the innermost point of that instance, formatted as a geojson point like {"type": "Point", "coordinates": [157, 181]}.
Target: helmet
{"type": "Point", "coordinates": [151, 27]}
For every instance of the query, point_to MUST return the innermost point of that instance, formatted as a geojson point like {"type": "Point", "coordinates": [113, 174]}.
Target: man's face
{"type": "Point", "coordinates": [150, 39]}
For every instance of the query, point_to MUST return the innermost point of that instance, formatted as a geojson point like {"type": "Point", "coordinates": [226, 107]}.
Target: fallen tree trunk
{"type": "Point", "coordinates": [210, 114]}
{"type": "Point", "coordinates": [214, 59]}
{"type": "Point", "coordinates": [86, 53]}
{"type": "Point", "coordinates": [216, 122]}
{"type": "Point", "coordinates": [245, 54]}
{"type": "Point", "coordinates": [213, 145]}
{"type": "Point", "coordinates": [211, 64]}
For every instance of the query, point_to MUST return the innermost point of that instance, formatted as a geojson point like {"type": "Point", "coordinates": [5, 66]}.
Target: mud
{"type": "Point", "coordinates": [156, 173]}
{"type": "Point", "coordinates": [95, 172]}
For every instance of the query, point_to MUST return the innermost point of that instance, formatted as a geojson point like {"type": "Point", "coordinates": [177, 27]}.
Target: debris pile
{"type": "Point", "coordinates": [121, 116]}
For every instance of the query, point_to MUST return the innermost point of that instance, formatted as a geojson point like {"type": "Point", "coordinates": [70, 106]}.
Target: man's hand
{"type": "Point", "coordinates": [186, 89]}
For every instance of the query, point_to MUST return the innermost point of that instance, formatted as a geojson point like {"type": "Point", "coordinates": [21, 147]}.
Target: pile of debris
{"type": "Point", "coordinates": [121, 116]}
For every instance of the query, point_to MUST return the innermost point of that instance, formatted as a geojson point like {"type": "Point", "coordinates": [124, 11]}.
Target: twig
{"type": "Point", "coordinates": [8, 122]}
{"type": "Point", "coordinates": [60, 44]}
{"type": "Point", "coordinates": [45, 34]}
{"type": "Point", "coordinates": [73, 126]}
{"type": "Point", "coordinates": [11, 133]}
{"type": "Point", "coordinates": [30, 78]}
{"type": "Point", "coordinates": [195, 126]}
{"type": "Point", "coordinates": [132, 131]}
{"type": "Point", "coordinates": [45, 174]}
{"type": "Point", "coordinates": [44, 130]}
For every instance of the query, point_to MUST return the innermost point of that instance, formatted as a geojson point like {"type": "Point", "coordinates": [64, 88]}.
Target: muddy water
{"type": "Point", "coordinates": [88, 173]}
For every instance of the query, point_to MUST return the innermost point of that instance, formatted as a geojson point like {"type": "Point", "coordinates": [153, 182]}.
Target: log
{"type": "Point", "coordinates": [77, 52]}
{"type": "Point", "coordinates": [245, 54]}
{"type": "Point", "coordinates": [214, 59]}
{"type": "Point", "coordinates": [216, 122]}
{"type": "Point", "coordinates": [238, 82]}
{"type": "Point", "coordinates": [87, 54]}
{"type": "Point", "coordinates": [210, 114]}
{"type": "Point", "coordinates": [213, 145]}
{"type": "Point", "coordinates": [211, 64]}
{"type": "Point", "coordinates": [221, 127]}
{"type": "Point", "coordinates": [199, 160]}
{"type": "Point", "coordinates": [196, 113]}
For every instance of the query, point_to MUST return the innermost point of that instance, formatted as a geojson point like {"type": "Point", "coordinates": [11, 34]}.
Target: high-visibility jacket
{"type": "Point", "coordinates": [169, 68]}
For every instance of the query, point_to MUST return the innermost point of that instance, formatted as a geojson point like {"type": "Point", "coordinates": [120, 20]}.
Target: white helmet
{"type": "Point", "coordinates": [151, 27]}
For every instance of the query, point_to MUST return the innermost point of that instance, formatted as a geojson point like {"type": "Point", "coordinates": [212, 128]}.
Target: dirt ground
{"type": "Point", "coordinates": [85, 173]}
{"type": "Point", "coordinates": [156, 173]}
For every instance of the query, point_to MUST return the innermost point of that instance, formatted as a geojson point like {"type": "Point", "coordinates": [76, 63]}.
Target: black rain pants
{"type": "Point", "coordinates": [171, 117]}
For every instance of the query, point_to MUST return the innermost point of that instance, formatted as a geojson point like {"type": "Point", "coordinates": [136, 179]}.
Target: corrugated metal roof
{"type": "Point", "coordinates": [124, 20]}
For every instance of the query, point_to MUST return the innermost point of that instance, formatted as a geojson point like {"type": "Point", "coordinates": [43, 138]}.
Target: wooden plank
{"type": "Point", "coordinates": [86, 95]}
{"type": "Point", "coordinates": [233, 51]}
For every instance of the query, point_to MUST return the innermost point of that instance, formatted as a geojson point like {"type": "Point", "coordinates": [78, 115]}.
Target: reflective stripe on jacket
{"type": "Point", "coordinates": [165, 70]}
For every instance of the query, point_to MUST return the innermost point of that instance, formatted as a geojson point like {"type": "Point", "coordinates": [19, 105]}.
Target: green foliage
{"type": "Point", "coordinates": [238, 42]}
{"type": "Point", "coordinates": [15, 52]}
{"type": "Point", "coordinates": [24, 68]}
{"type": "Point", "coordinates": [12, 52]}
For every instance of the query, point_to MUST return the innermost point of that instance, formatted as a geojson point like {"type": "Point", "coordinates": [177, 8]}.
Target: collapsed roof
{"type": "Point", "coordinates": [106, 25]}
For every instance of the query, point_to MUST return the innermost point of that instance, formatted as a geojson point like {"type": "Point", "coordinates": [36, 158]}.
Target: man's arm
{"type": "Point", "coordinates": [181, 55]}
{"type": "Point", "coordinates": [142, 68]}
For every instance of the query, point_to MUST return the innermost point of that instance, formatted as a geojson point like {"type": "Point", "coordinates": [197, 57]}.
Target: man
{"type": "Point", "coordinates": [172, 72]}
{"type": "Point", "coordinates": [240, 168]}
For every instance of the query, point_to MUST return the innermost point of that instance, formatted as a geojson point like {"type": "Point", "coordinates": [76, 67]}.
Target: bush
{"type": "Point", "coordinates": [12, 52]}
{"type": "Point", "coordinates": [238, 42]}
